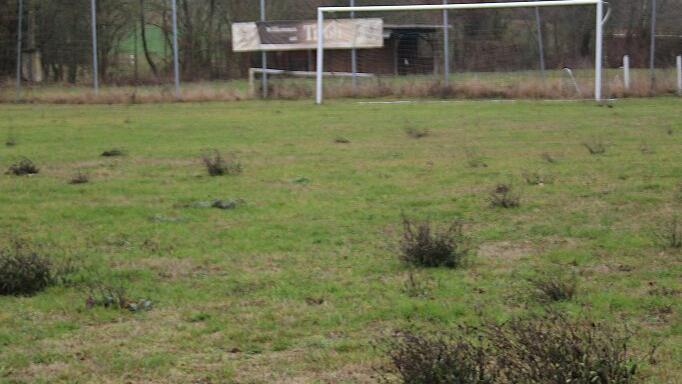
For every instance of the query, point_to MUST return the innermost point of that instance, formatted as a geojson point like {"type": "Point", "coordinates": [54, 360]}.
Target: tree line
{"type": "Point", "coordinates": [135, 36]}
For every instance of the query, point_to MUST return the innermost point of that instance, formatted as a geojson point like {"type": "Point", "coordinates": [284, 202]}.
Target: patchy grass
{"type": "Point", "coordinates": [295, 285]}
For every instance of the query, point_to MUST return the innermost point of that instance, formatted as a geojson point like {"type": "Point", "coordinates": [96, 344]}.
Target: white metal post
{"type": "Point", "coordinates": [626, 72]}
{"type": "Point", "coordinates": [354, 56]}
{"type": "Point", "coordinates": [446, 46]}
{"type": "Point", "coordinates": [176, 60]}
{"type": "Point", "coordinates": [20, 27]}
{"type": "Point", "coordinates": [95, 69]}
{"type": "Point", "coordinates": [599, 50]}
{"type": "Point", "coordinates": [264, 57]}
{"type": "Point", "coordinates": [679, 75]}
{"type": "Point", "coordinates": [320, 54]}
{"type": "Point", "coordinates": [652, 53]}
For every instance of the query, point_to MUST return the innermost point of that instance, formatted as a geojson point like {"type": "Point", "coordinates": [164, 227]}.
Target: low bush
{"type": "Point", "coordinates": [23, 167]}
{"type": "Point", "coordinates": [23, 271]}
{"type": "Point", "coordinates": [504, 196]}
{"type": "Point", "coordinates": [425, 246]}
{"type": "Point", "coordinates": [553, 348]}
{"type": "Point", "coordinates": [542, 349]}
{"type": "Point", "coordinates": [436, 359]}
{"type": "Point", "coordinates": [217, 165]}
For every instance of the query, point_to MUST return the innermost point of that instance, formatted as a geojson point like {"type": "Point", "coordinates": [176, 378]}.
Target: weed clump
{"type": "Point", "coordinates": [504, 196]}
{"type": "Point", "coordinates": [23, 271]}
{"type": "Point", "coordinates": [595, 146]}
{"type": "Point", "coordinates": [341, 140]}
{"type": "Point", "coordinates": [554, 287]}
{"type": "Point", "coordinates": [216, 165]}
{"type": "Point", "coordinates": [417, 133]}
{"type": "Point", "coordinates": [475, 160]}
{"type": "Point", "coordinates": [548, 157]}
{"type": "Point", "coordinates": [547, 348]}
{"type": "Point", "coordinates": [10, 142]}
{"type": "Point", "coordinates": [23, 167]}
{"type": "Point", "coordinates": [425, 246]}
{"type": "Point", "coordinates": [115, 297]}
{"type": "Point", "coordinates": [79, 178]}
{"type": "Point", "coordinates": [114, 152]}
{"type": "Point", "coordinates": [537, 178]}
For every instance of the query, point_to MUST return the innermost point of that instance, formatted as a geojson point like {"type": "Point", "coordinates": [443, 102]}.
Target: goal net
{"type": "Point", "coordinates": [533, 49]}
{"type": "Point", "coordinates": [483, 49]}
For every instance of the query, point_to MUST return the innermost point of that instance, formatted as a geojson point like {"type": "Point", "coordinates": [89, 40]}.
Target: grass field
{"type": "Point", "coordinates": [297, 284]}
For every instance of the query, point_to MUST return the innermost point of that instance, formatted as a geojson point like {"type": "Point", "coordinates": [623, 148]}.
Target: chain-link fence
{"type": "Point", "coordinates": [531, 52]}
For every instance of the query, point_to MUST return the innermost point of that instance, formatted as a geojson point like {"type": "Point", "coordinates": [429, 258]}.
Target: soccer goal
{"type": "Point", "coordinates": [466, 53]}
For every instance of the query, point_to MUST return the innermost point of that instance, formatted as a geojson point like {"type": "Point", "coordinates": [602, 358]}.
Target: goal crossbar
{"type": "Point", "coordinates": [599, 4]}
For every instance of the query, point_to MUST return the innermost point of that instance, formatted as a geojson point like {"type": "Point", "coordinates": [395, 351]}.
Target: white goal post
{"type": "Point", "coordinates": [599, 4]}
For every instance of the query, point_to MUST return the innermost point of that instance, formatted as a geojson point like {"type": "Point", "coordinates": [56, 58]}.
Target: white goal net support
{"type": "Point", "coordinates": [514, 49]}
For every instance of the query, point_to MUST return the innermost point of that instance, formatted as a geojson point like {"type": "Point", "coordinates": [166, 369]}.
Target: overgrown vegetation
{"type": "Point", "coordinates": [217, 165]}
{"type": "Point", "coordinates": [541, 349]}
{"type": "Point", "coordinates": [23, 167]}
{"type": "Point", "coordinates": [554, 286]}
{"type": "Point", "coordinates": [425, 246]}
{"type": "Point", "coordinates": [22, 270]}
{"type": "Point", "coordinates": [504, 196]}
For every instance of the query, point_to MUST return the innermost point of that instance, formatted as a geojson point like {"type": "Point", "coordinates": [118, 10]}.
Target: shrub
{"type": "Point", "coordinates": [216, 165]}
{"type": "Point", "coordinates": [114, 152]}
{"type": "Point", "coordinates": [439, 359]}
{"type": "Point", "coordinates": [23, 271]}
{"type": "Point", "coordinates": [670, 233]}
{"type": "Point", "coordinates": [595, 146]}
{"type": "Point", "coordinates": [554, 287]}
{"type": "Point", "coordinates": [542, 349]}
{"type": "Point", "coordinates": [80, 178]}
{"type": "Point", "coordinates": [23, 167]}
{"type": "Point", "coordinates": [423, 246]}
{"type": "Point", "coordinates": [552, 348]}
{"type": "Point", "coordinates": [504, 196]}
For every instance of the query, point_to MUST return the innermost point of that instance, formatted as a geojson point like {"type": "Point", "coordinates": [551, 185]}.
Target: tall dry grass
{"type": "Point", "coordinates": [491, 87]}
